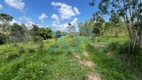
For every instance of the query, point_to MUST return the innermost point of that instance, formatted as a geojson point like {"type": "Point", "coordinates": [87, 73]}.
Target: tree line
{"type": "Point", "coordinates": [19, 33]}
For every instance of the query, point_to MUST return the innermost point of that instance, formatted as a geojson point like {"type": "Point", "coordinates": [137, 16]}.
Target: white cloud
{"type": "Point", "coordinates": [64, 27]}
{"type": "Point", "coordinates": [56, 18]}
{"type": "Point", "coordinates": [18, 4]}
{"type": "Point", "coordinates": [76, 11]}
{"type": "Point", "coordinates": [1, 7]}
{"type": "Point", "coordinates": [66, 11]}
{"type": "Point", "coordinates": [29, 24]}
{"type": "Point", "coordinates": [15, 21]}
{"type": "Point", "coordinates": [25, 19]}
{"type": "Point", "coordinates": [42, 17]}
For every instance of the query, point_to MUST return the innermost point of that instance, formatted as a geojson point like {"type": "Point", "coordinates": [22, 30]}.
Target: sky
{"type": "Point", "coordinates": [48, 13]}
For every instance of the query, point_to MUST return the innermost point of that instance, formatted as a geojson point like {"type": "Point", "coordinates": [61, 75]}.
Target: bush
{"type": "Point", "coordinates": [121, 48]}
{"type": "Point", "coordinates": [2, 39]}
{"type": "Point", "coordinates": [124, 48]}
{"type": "Point", "coordinates": [37, 39]}
{"type": "Point", "coordinates": [22, 50]}
{"type": "Point", "coordinates": [31, 50]}
{"type": "Point", "coordinates": [114, 46]}
{"type": "Point", "coordinates": [139, 60]}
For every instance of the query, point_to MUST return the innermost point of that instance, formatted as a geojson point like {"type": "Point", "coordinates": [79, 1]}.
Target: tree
{"type": "Point", "coordinates": [49, 33]}
{"type": "Point", "coordinates": [45, 33]}
{"type": "Point", "coordinates": [94, 24]}
{"type": "Point", "coordinates": [84, 28]}
{"type": "Point", "coordinates": [35, 33]}
{"type": "Point", "coordinates": [99, 20]}
{"type": "Point", "coordinates": [58, 34]}
{"type": "Point", "coordinates": [130, 11]}
{"type": "Point", "coordinates": [18, 33]}
{"type": "Point", "coordinates": [35, 30]}
{"type": "Point", "coordinates": [5, 18]}
{"type": "Point", "coordinates": [115, 22]}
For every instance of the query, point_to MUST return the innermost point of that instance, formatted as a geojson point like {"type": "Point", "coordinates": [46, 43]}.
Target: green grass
{"type": "Point", "coordinates": [110, 39]}
{"type": "Point", "coordinates": [111, 68]}
{"type": "Point", "coordinates": [115, 66]}
{"type": "Point", "coordinates": [39, 63]}
{"type": "Point", "coordinates": [52, 60]}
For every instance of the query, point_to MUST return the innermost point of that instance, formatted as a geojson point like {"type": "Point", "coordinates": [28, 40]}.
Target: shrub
{"type": "Point", "coordinates": [124, 48]}
{"type": "Point", "coordinates": [114, 46]}
{"type": "Point", "coordinates": [2, 39]}
{"type": "Point", "coordinates": [11, 56]}
{"type": "Point", "coordinates": [31, 50]}
{"type": "Point", "coordinates": [22, 50]}
{"type": "Point", "coordinates": [37, 39]}
{"type": "Point", "coordinates": [139, 60]}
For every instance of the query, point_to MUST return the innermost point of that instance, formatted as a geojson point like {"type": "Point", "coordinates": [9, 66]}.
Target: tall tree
{"type": "Point", "coordinates": [18, 33]}
{"type": "Point", "coordinates": [115, 22]}
{"type": "Point", "coordinates": [130, 11]}
{"type": "Point", "coordinates": [4, 19]}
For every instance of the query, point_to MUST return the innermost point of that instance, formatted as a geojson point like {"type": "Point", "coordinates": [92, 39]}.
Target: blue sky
{"type": "Point", "coordinates": [53, 13]}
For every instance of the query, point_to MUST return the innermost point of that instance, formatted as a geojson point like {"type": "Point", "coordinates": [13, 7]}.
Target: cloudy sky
{"type": "Point", "coordinates": [47, 13]}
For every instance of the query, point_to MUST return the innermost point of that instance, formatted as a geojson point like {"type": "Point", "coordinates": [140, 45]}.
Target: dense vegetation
{"type": "Point", "coordinates": [115, 47]}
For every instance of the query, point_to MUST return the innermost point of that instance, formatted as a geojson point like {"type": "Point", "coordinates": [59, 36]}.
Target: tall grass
{"type": "Point", "coordinates": [39, 64]}
{"type": "Point", "coordinates": [113, 68]}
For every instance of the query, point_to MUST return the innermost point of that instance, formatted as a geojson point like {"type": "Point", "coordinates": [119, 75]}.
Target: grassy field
{"type": "Point", "coordinates": [110, 63]}
{"type": "Point", "coordinates": [54, 60]}
{"type": "Point", "coordinates": [50, 63]}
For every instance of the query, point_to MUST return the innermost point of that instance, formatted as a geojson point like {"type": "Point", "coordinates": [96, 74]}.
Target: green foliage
{"type": "Point", "coordinates": [85, 31]}
{"type": "Point", "coordinates": [58, 34]}
{"type": "Point", "coordinates": [130, 11]}
{"type": "Point", "coordinates": [39, 34]}
{"type": "Point", "coordinates": [5, 17]}
{"type": "Point", "coordinates": [45, 33]}
{"type": "Point", "coordinates": [18, 33]}
{"type": "Point", "coordinates": [22, 50]}
{"type": "Point", "coordinates": [112, 46]}
{"type": "Point", "coordinates": [31, 50]}
{"type": "Point", "coordinates": [115, 19]}
{"type": "Point", "coordinates": [139, 60]}
{"type": "Point", "coordinates": [117, 47]}
{"type": "Point", "coordinates": [110, 39]}
{"type": "Point", "coordinates": [94, 25]}
{"type": "Point", "coordinates": [2, 39]}
{"type": "Point", "coordinates": [124, 48]}
{"type": "Point", "coordinates": [35, 33]}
